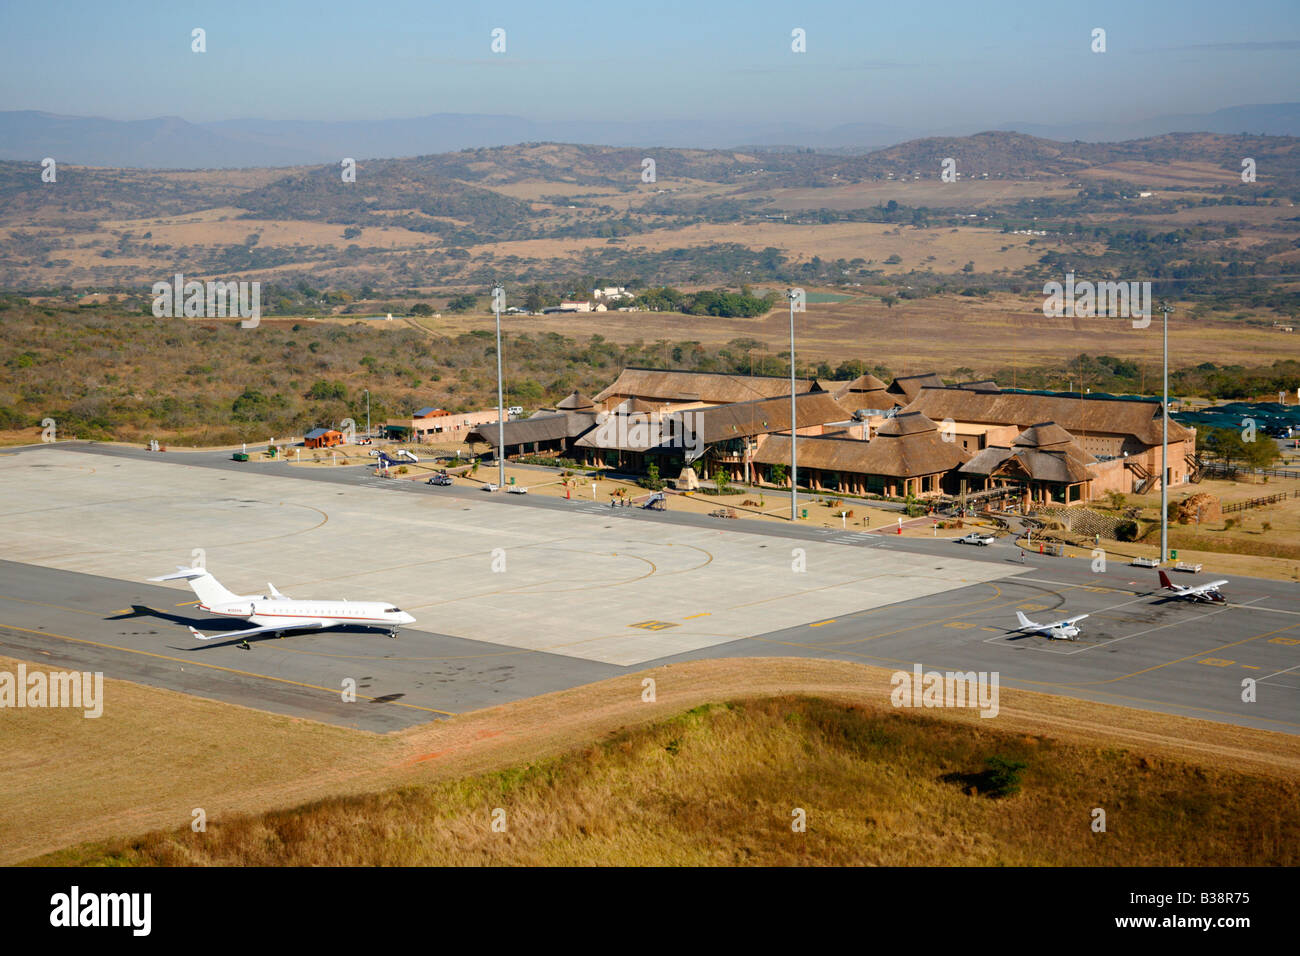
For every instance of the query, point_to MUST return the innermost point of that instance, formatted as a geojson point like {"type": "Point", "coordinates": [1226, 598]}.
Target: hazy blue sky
{"type": "Point", "coordinates": [899, 62]}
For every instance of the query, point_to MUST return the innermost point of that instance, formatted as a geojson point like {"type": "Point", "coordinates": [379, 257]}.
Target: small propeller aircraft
{"type": "Point", "coordinates": [1063, 630]}
{"type": "Point", "coordinates": [275, 613]}
{"type": "Point", "coordinates": [1208, 592]}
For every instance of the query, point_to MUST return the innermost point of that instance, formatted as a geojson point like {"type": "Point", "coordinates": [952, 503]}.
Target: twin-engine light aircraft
{"type": "Point", "coordinates": [1058, 630]}
{"type": "Point", "coordinates": [275, 613]}
{"type": "Point", "coordinates": [1208, 592]}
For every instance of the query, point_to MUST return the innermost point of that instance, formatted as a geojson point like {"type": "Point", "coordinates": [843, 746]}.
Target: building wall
{"type": "Point", "coordinates": [445, 428]}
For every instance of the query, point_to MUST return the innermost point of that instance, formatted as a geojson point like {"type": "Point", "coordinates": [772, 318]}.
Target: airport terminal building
{"type": "Point", "coordinates": [914, 436]}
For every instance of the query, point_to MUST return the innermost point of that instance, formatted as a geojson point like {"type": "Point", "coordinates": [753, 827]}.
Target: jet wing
{"type": "Point", "coordinates": [274, 593]}
{"type": "Point", "coordinates": [256, 630]}
{"type": "Point", "coordinates": [1066, 622]}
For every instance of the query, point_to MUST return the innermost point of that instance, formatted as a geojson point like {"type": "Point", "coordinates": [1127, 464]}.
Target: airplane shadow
{"type": "Point", "coordinates": [215, 626]}
{"type": "Point", "coordinates": [139, 610]}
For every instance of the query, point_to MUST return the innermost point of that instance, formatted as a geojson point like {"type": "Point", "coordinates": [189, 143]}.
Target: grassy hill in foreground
{"type": "Point", "coordinates": [717, 786]}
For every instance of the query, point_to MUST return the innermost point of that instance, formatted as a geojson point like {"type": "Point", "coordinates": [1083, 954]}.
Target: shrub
{"type": "Point", "coordinates": [1126, 530]}
{"type": "Point", "coordinates": [1003, 776]}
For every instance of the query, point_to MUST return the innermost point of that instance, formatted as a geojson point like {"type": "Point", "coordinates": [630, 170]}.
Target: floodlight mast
{"type": "Point", "coordinates": [498, 299]}
{"type": "Point", "coordinates": [793, 296]}
{"type": "Point", "coordinates": [1164, 444]}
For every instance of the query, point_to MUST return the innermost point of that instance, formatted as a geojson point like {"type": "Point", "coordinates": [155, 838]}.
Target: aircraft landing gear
{"type": "Point", "coordinates": [392, 634]}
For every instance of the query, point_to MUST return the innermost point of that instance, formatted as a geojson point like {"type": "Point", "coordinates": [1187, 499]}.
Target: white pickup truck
{"type": "Point", "coordinates": [976, 537]}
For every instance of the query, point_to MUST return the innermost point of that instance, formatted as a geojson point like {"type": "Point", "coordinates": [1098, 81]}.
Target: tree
{"type": "Point", "coordinates": [327, 391]}
{"type": "Point", "coordinates": [422, 309]}
{"type": "Point", "coordinates": [652, 479]}
{"type": "Point", "coordinates": [1261, 453]}
{"type": "Point", "coordinates": [720, 480]}
{"type": "Point", "coordinates": [351, 232]}
{"type": "Point", "coordinates": [778, 474]}
{"type": "Point", "coordinates": [1226, 445]}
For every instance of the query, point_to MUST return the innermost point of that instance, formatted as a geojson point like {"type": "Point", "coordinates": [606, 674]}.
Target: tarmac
{"type": "Point", "coordinates": [520, 595]}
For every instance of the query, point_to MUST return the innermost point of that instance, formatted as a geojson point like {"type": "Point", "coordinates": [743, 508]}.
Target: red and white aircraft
{"type": "Point", "coordinates": [275, 613]}
{"type": "Point", "coordinates": [1208, 592]}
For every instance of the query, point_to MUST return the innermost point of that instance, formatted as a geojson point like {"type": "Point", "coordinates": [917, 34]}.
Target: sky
{"type": "Point", "coordinates": [899, 63]}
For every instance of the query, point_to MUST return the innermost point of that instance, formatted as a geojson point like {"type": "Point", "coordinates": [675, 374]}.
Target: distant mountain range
{"type": "Point", "coordinates": [173, 143]}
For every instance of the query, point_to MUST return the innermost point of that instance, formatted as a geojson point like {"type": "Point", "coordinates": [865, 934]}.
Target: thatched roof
{"type": "Point", "coordinates": [865, 391]}
{"type": "Point", "coordinates": [742, 419]}
{"type": "Point", "coordinates": [575, 402]}
{"type": "Point", "coordinates": [1043, 435]}
{"type": "Point", "coordinates": [659, 385]}
{"type": "Point", "coordinates": [709, 425]}
{"type": "Point", "coordinates": [640, 405]}
{"type": "Point", "coordinates": [639, 434]}
{"type": "Point", "coordinates": [907, 423]}
{"type": "Point", "coordinates": [1097, 416]}
{"type": "Point", "coordinates": [544, 426]}
{"type": "Point", "coordinates": [1061, 464]}
{"type": "Point", "coordinates": [899, 456]}
{"type": "Point", "coordinates": [908, 387]}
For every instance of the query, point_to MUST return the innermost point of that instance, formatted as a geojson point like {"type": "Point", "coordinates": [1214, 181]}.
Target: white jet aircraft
{"type": "Point", "coordinates": [1198, 592]}
{"type": "Point", "coordinates": [1058, 630]}
{"type": "Point", "coordinates": [275, 613]}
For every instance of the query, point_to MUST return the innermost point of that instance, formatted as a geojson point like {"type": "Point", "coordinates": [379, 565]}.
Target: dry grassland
{"type": "Point", "coordinates": [641, 783]}
{"type": "Point", "coordinates": [938, 333]}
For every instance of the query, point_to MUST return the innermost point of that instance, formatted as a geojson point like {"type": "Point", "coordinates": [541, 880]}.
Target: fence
{"type": "Point", "coordinates": [1259, 502]}
{"type": "Point", "coordinates": [1222, 468]}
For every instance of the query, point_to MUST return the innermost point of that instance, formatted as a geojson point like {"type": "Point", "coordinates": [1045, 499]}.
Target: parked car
{"type": "Point", "coordinates": [363, 441]}
{"type": "Point", "coordinates": [439, 480]}
{"type": "Point", "coordinates": [975, 537]}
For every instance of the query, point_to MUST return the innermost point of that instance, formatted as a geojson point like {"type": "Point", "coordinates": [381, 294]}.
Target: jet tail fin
{"type": "Point", "coordinates": [1024, 621]}
{"type": "Point", "coordinates": [209, 589]}
{"type": "Point", "coordinates": [1164, 581]}
{"type": "Point", "coordinates": [179, 573]}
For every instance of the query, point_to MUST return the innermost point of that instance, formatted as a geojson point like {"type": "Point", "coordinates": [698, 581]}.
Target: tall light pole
{"type": "Point", "coordinates": [498, 300]}
{"type": "Point", "coordinates": [1164, 445]}
{"type": "Point", "coordinates": [793, 295]}
{"type": "Point", "coordinates": [367, 413]}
